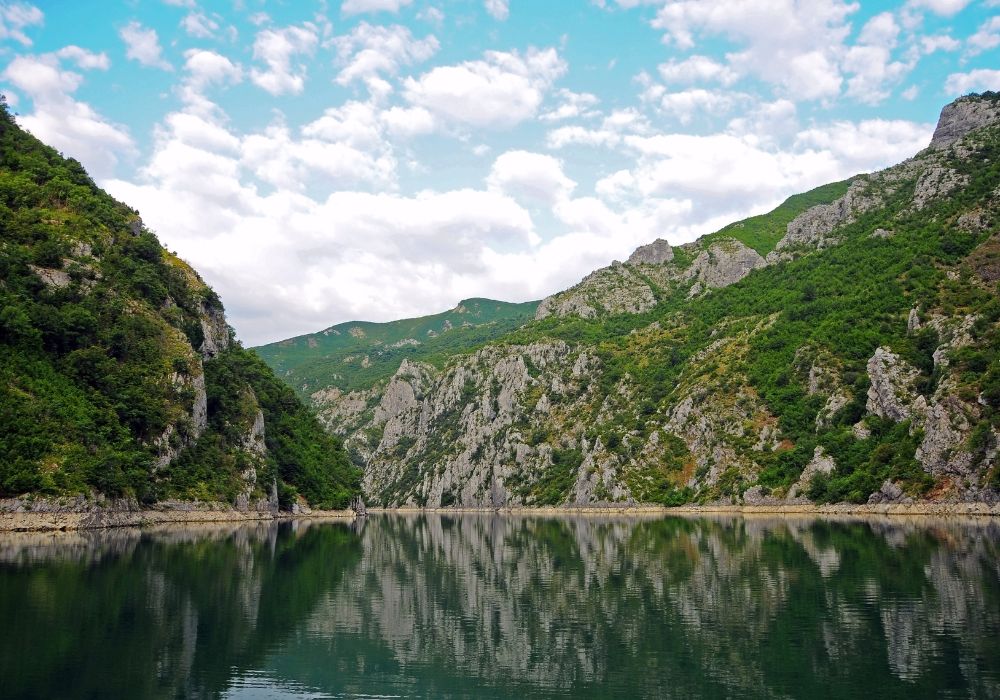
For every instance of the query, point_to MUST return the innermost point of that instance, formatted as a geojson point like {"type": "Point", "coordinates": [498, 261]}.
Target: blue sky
{"type": "Point", "coordinates": [373, 159]}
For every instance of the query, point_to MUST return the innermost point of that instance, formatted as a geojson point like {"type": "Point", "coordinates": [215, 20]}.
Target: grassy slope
{"type": "Point", "coordinates": [763, 232]}
{"type": "Point", "coordinates": [334, 357]}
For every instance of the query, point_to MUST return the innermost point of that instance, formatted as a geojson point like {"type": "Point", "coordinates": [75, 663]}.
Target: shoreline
{"type": "Point", "coordinates": [806, 509]}
{"type": "Point", "coordinates": [42, 515]}
{"type": "Point", "coordinates": [62, 517]}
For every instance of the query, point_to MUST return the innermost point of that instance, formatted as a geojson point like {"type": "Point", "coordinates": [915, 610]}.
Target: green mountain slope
{"type": "Point", "coordinates": [118, 373]}
{"type": "Point", "coordinates": [358, 353]}
{"type": "Point", "coordinates": [763, 232]}
{"type": "Point", "coordinates": [858, 360]}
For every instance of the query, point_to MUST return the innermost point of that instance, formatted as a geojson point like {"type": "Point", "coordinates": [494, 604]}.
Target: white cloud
{"type": "Point", "coordinates": [867, 145]}
{"type": "Point", "coordinates": [686, 104]}
{"type": "Point", "coordinates": [946, 8]}
{"type": "Point", "coordinates": [407, 121]}
{"type": "Point", "coordinates": [143, 45]}
{"type": "Point", "coordinates": [533, 177]}
{"type": "Point", "coordinates": [499, 91]}
{"type": "Point", "coordinates": [577, 135]}
{"type": "Point", "coordinates": [798, 52]}
{"type": "Point", "coordinates": [206, 69]}
{"type": "Point", "coordinates": [986, 37]}
{"type": "Point", "coordinates": [498, 9]}
{"type": "Point", "coordinates": [870, 61]}
{"type": "Point", "coordinates": [431, 15]}
{"type": "Point", "coordinates": [697, 69]}
{"type": "Point", "coordinates": [572, 105]}
{"type": "Point", "coordinates": [371, 50]}
{"type": "Point", "coordinates": [57, 118]}
{"type": "Point", "coordinates": [15, 18]}
{"type": "Point", "coordinates": [978, 80]}
{"type": "Point", "coordinates": [276, 48]}
{"type": "Point", "coordinates": [85, 59]}
{"type": "Point", "coordinates": [354, 7]}
{"type": "Point", "coordinates": [199, 25]}
{"type": "Point", "coordinates": [938, 42]}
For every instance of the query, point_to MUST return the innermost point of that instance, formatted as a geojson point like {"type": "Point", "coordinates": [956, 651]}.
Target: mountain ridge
{"type": "Point", "coordinates": [855, 361]}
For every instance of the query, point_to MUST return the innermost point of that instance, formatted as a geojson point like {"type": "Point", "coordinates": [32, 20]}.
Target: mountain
{"type": "Point", "coordinates": [357, 354]}
{"type": "Point", "coordinates": [118, 372]}
{"type": "Point", "coordinates": [844, 347]}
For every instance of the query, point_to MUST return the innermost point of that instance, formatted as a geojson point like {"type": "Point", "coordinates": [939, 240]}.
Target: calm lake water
{"type": "Point", "coordinates": [484, 606]}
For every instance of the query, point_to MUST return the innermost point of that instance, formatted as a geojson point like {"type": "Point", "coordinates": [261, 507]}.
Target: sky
{"type": "Point", "coordinates": [320, 162]}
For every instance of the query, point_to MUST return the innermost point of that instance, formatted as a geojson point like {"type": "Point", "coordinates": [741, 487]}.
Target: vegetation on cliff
{"type": "Point", "coordinates": [853, 354]}
{"type": "Point", "coordinates": [118, 373]}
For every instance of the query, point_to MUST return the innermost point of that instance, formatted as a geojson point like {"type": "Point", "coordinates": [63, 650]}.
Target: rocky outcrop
{"type": "Point", "coordinates": [891, 394]}
{"type": "Point", "coordinates": [215, 331]}
{"type": "Point", "coordinates": [724, 263]}
{"type": "Point", "coordinates": [656, 253]}
{"type": "Point", "coordinates": [963, 116]}
{"type": "Point", "coordinates": [814, 229]}
{"type": "Point", "coordinates": [820, 464]}
{"type": "Point", "coordinates": [935, 183]}
{"type": "Point", "coordinates": [616, 289]}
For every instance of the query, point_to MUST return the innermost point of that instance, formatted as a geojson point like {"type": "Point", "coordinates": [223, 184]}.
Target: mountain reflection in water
{"type": "Point", "coordinates": [495, 606]}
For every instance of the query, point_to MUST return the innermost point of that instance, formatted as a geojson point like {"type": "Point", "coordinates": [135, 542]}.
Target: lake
{"type": "Point", "coordinates": [506, 606]}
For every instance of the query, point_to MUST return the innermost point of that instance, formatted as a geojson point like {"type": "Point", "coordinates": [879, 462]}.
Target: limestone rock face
{"type": "Point", "coordinates": [814, 227]}
{"type": "Point", "coordinates": [889, 492]}
{"type": "Point", "coordinates": [821, 463]}
{"type": "Point", "coordinates": [962, 116]}
{"type": "Point", "coordinates": [215, 331]}
{"type": "Point", "coordinates": [935, 183]}
{"type": "Point", "coordinates": [724, 263]}
{"type": "Point", "coordinates": [891, 392]}
{"type": "Point", "coordinates": [655, 253]}
{"type": "Point", "coordinates": [612, 290]}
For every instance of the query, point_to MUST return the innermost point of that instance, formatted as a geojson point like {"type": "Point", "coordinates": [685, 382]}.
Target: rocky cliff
{"type": "Point", "coordinates": [118, 372]}
{"type": "Point", "coordinates": [845, 347]}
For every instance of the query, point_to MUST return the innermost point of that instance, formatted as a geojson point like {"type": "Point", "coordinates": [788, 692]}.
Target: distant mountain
{"type": "Point", "coordinates": [118, 372]}
{"type": "Point", "coordinates": [844, 347]}
{"type": "Point", "coordinates": [358, 353]}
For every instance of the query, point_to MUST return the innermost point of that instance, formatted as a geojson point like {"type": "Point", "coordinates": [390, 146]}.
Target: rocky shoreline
{"type": "Point", "coordinates": [80, 513]}
{"type": "Point", "coordinates": [38, 515]}
{"type": "Point", "coordinates": [879, 509]}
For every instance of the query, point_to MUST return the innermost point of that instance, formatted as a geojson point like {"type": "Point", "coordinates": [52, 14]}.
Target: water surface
{"type": "Point", "coordinates": [493, 606]}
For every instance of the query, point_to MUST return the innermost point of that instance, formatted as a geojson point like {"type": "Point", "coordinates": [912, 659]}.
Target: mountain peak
{"type": "Point", "coordinates": [964, 115]}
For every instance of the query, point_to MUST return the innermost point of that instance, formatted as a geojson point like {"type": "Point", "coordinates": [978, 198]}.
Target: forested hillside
{"type": "Point", "coordinates": [118, 372]}
{"type": "Point", "coordinates": [845, 347]}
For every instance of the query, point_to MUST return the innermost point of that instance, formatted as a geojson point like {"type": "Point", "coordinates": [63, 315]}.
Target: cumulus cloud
{"type": "Point", "coordinates": [797, 53]}
{"type": "Point", "coordinates": [143, 45]}
{"type": "Point", "coordinates": [199, 25]}
{"type": "Point", "coordinates": [74, 127]}
{"type": "Point", "coordinates": [978, 80]}
{"type": "Point", "coordinates": [697, 69]}
{"type": "Point", "coordinates": [498, 9]}
{"type": "Point", "coordinates": [372, 50]}
{"type": "Point", "coordinates": [85, 59]}
{"type": "Point", "coordinates": [277, 48]}
{"type": "Point", "coordinates": [946, 8]}
{"type": "Point", "coordinates": [986, 37]}
{"type": "Point", "coordinates": [15, 18]}
{"type": "Point", "coordinates": [354, 7]}
{"type": "Point", "coordinates": [532, 177]}
{"type": "Point", "coordinates": [685, 105]}
{"type": "Point", "coordinates": [501, 90]}
{"type": "Point", "coordinates": [870, 60]}
{"type": "Point", "coordinates": [571, 105]}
